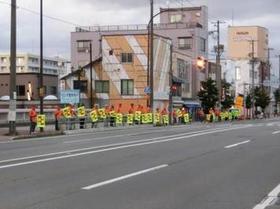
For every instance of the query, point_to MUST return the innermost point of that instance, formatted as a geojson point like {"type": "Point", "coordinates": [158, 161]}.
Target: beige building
{"type": "Point", "coordinates": [240, 40]}
{"type": "Point", "coordinates": [27, 75]}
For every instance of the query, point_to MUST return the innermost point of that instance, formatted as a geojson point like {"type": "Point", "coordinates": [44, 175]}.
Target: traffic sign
{"type": "Point", "coordinates": [148, 90]}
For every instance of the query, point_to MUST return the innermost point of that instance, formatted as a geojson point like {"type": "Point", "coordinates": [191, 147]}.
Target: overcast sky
{"type": "Point", "coordinates": [110, 12]}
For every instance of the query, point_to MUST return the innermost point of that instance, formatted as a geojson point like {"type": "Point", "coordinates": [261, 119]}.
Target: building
{"type": "Point", "coordinates": [187, 28]}
{"type": "Point", "coordinates": [247, 44]}
{"type": "Point", "coordinates": [240, 40]}
{"type": "Point", "coordinates": [27, 75]}
{"type": "Point", "coordinates": [120, 74]}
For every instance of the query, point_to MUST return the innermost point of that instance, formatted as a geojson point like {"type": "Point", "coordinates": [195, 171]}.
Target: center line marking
{"type": "Point", "coordinates": [237, 144]}
{"type": "Point", "coordinates": [123, 177]}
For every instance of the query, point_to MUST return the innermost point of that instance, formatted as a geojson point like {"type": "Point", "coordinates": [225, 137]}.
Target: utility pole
{"type": "Point", "coordinates": [41, 81]}
{"type": "Point", "coordinates": [253, 59]}
{"type": "Point", "coordinates": [219, 50]}
{"type": "Point", "coordinates": [13, 68]}
{"type": "Point", "coordinates": [90, 64]}
{"type": "Point", "coordinates": [152, 56]}
{"type": "Point", "coordinates": [170, 85]}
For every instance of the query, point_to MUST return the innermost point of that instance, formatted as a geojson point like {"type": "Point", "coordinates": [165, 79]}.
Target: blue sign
{"type": "Point", "coordinates": [148, 90]}
{"type": "Point", "coordinates": [70, 97]}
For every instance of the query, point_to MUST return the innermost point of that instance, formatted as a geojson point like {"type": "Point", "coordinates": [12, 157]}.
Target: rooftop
{"type": "Point", "coordinates": [137, 27]}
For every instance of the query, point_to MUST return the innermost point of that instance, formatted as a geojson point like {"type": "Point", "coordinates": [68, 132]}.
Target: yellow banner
{"type": "Point", "coordinates": [41, 121]}
{"type": "Point", "coordinates": [119, 118]}
{"type": "Point", "coordinates": [94, 116]}
{"type": "Point", "coordinates": [138, 115]}
{"type": "Point", "coordinates": [81, 111]}
{"type": "Point", "coordinates": [66, 112]}
{"type": "Point", "coordinates": [165, 119]}
{"type": "Point", "coordinates": [101, 113]}
{"type": "Point", "coordinates": [129, 119]}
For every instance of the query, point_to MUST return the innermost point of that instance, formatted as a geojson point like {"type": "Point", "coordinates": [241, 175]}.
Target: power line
{"type": "Point", "coordinates": [47, 16]}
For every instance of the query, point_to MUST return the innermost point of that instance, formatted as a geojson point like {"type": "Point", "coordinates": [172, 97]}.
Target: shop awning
{"type": "Point", "coordinates": [178, 80]}
{"type": "Point", "coordinates": [192, 104]}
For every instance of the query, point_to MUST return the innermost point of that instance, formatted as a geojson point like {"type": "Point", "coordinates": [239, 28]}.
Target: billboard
{"type": "Point", "coordinates": [70, 97]}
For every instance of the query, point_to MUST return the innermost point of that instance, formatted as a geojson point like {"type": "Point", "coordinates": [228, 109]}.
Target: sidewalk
{"type": "Point", "coordinates": [23, 133]}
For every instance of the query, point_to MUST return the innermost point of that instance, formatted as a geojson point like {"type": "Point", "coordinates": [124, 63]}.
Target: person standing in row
{"type": "Point", "coordinates": [32, 118]}
{"type": "Point", "coordinates": [57, 116]}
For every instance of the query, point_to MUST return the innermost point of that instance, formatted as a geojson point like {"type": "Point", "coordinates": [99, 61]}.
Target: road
{"type": "Point", "coordinates": [201, 166]}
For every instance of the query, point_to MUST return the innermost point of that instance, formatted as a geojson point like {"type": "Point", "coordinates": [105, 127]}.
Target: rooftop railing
{"type": "Point", "coordinates": [159, 26]}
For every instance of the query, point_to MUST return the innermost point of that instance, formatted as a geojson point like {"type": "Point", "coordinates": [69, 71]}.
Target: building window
{"type": "Point", "coordinates": [176, 18]}
{"type": "Point", "coordinates": [127, 87]}
{"type": "Point", "coordinates": [80, 85]}
{"type": "Point", "coordinates": [237, 73]}
{"type": "Point", "coordinates": [185, 43]}
{"type": "Point", "coordinates": [3, 69]}
{"type": "Point", "coordinates": [4, 60]}
{"type": "Point", "coordinates": [83, 45]}
{"type": "Point", "coordinates": [102, 86]}
{"type": "Point", "coordinates": [202, 44]}
{"type": "Point", "coordinates": [126, 57]}
{"type": "Point", "coordinates": [52, 90]}
{"type": "Point", "coordinates": [20, 60]}
{"type": "Point", "coordinates": [20, 90]}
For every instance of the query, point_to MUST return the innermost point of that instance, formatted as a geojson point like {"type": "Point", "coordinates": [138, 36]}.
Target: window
{"type": "Point", "coordinates": [102, 86]}
{"type": "Point", "coordinates": [181, 68]}
{"type": "Point", "coordinates": [237, 73]}
{"type": "Point", "coordinates": [175, 18]}
{"type": "Point", "coordinates": [127, 87]}
{"type": "Point", "coordinates": [4, 60]}
{"type": "Point", "coordinates": [20, 60]}
{"type": "Point", "coordinates": [126, 57]}
{"type": "Point", "coordinates": [185, 43]}
{"type": "Point", "coordinates": [80, 85]}
{"type": "Point", "coordinates": [52, 90]}
{"type": "Point", "coordinates": [202, 44]}
{"type": "Point", "coordinates": [20, 90]}
{"type": "Point", "coordinates": [83, 45]}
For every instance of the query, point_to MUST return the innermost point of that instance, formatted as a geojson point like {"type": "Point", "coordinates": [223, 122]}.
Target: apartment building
{"type": "Point", "coordinates": [187, 28]}
{"type": "Point", "coordinates": [27, 74]}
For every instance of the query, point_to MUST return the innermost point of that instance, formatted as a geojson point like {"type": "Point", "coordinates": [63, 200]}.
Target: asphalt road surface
{"type": "Point", "coordinates": [201, 166]}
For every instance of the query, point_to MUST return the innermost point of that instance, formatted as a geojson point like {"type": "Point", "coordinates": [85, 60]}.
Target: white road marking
{"type": "Point", "coordinates": [270, 124]}
{"type": "Point", "coordinates": [270, 199]}
{"type": "Point", "coordinates": [98, 147]}
{"type": "Point", "coordinates": [124, 177]}
{"type": "Point", "coordinates": [237, 144]}
{"type": "Point", "coordinates": [110, 148]}
{"type": "Point", "coordinates": [276, 132]}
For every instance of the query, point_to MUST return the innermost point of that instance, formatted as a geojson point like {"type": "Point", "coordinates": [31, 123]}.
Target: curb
{"type": "Point", "coordinates": [37, 135]}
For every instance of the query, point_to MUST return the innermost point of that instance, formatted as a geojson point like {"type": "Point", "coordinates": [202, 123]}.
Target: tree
{"type": "Point", "coordinates": [228, 100]}
{"type": "Point", "coordinates": [208, 95]}
{"type": "Point", "coordinates": [261, 97]}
